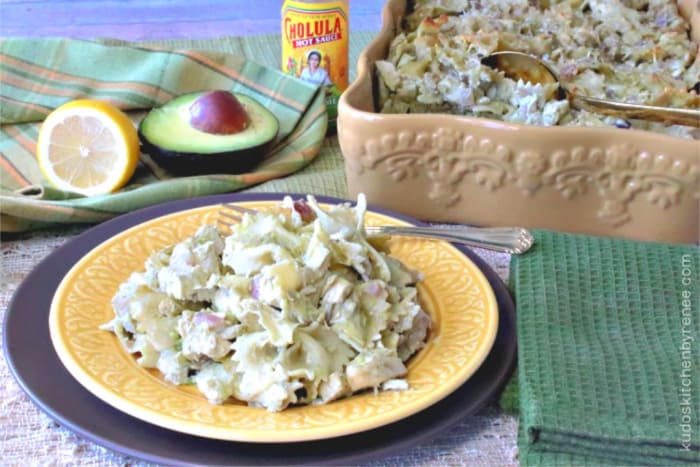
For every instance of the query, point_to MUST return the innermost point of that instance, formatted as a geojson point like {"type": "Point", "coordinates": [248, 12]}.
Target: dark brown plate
{"type": "Point", "coordinates": [39, 372]}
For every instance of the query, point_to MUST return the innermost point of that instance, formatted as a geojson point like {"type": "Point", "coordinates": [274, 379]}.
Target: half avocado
{"type": "Point", "coordinates": [167, 134]}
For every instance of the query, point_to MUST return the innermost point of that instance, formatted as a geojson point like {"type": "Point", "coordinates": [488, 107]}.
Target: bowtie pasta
{"type": "Point", "coordinates": [295, 306]}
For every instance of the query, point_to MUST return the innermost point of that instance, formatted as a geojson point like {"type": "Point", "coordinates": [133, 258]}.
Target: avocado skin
{"type": "Point", "coordinates": [193, 163]}
{"type": "Point", "coordinates": [239, 159]}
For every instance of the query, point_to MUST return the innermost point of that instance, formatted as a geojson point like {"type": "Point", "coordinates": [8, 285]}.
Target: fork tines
{"type": "Point", "coordinates": [240, 210]}
{"type": "Point", "coordinates": [230, 211]}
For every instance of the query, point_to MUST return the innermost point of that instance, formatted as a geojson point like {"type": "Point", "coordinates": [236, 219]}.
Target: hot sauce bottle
{"type": "Point", "coordinates": [315, 36]}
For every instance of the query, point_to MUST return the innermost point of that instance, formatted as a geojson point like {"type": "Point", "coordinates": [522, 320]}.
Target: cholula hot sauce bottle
{"type": "Point", "coordinates": [315, 36]}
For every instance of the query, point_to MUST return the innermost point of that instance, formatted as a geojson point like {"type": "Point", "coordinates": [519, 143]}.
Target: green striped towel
{"type": "Point", "coordinates": [38, 75]}
{"type": "Point", "coordinates": [608, 351]}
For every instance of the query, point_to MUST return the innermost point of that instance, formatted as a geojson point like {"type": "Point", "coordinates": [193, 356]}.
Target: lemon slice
{"type": "Point", "coordinates": [88, 147]}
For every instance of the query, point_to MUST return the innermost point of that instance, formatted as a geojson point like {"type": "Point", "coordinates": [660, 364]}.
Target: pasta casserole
{"type": "Point", "coordinates": [635, 51]}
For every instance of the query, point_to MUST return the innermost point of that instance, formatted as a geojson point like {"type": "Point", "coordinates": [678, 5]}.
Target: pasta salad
{"type": "Point", "coordinates": [294, 306]}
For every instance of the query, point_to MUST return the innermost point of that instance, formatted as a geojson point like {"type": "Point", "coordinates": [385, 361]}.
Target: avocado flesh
{"type": "Point", "coordinates": [168, 138]}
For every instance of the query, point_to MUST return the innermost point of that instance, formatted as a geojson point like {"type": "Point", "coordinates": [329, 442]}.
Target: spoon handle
{"type": "Point", "coordinates": [690, 117]}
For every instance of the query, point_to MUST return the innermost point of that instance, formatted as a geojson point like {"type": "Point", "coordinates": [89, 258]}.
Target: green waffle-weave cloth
{"type": "Point", "coordinates": [609, 348]}
{"type": "Point", "coordinates": [37, 75]}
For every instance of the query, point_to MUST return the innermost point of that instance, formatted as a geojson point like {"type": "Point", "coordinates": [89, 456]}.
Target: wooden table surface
{"type": "Point", "coordinates": [486, 438]}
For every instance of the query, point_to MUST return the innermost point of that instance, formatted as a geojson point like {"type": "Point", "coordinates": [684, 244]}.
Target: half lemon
{"type": "Point", "coordinates": [88, 147]}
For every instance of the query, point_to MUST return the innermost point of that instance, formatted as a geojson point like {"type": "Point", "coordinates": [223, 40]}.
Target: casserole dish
{"type": "Point", "coordinates": [450, 168]}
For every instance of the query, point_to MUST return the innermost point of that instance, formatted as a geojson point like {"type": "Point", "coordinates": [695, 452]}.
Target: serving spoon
{"type": "Point", "coordinates": [519, 65]}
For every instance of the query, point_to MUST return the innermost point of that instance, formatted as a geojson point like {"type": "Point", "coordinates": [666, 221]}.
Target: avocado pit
{"type": "Point", "coordinates": [218, 112]}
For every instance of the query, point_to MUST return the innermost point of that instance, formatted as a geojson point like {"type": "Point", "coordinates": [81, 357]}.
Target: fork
{"type": "Point", "coordinates": [513, 240]}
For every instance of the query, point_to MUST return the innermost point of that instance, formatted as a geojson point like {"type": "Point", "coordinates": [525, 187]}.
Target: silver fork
{"type": "Point", "coordinates": [513, 240]}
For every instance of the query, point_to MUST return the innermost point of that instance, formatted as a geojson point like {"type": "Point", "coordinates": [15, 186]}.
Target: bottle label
{"type": "Point", "coordinates": [315, 47]}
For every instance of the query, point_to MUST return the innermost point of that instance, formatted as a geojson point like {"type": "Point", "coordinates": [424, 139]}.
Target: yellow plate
{"type": "Point", "coordinates": [455, 293]}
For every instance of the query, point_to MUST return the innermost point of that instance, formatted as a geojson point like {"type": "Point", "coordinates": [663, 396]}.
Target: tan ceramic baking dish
{"type": "Point", "coordinates": [438, 167]}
